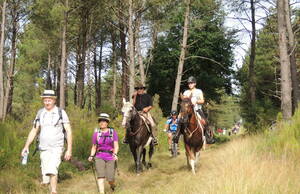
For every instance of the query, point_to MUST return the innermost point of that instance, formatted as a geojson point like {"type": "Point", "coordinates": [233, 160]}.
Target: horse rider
{"type": "Point", "coordinates": [171, 126]}
{"type": "Point", "coordinates": [143, 104]}
{"type": "Point", "coordinates": [197, 100]}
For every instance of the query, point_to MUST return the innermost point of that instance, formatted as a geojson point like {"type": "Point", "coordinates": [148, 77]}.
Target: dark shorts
{"type": "Point", "coordinates": [105, 169]}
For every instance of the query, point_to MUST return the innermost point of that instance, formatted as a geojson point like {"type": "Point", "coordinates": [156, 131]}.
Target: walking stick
{"type": "Point", "coordinates": [116, 167]}
{"type": "Point", "coordinates": [95, 177]}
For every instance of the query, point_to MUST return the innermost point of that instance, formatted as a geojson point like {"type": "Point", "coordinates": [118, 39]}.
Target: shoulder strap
{"type": "Point", "coordinates": [98, 134]}
{"type": "Point", "coordinates": [60, 113]}
{"type": "Point", "coordinates": [38, 118]}
{"type": "Point", "coordinates": [111, 132]}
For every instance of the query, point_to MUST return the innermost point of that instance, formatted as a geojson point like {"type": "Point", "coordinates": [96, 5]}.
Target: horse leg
{"type": "Point", "coordinates": [190, 157]}
{"type": "Point", "coordinates": [144, 157]}
{"type": "Point", "coordinates": [134, 154]}
{"type": "Point", "coordinates": [197, 157]}
{"type": "Point", "coordinates": [139, 151]}
{"type": "Point", "coordinates": [151, 151]}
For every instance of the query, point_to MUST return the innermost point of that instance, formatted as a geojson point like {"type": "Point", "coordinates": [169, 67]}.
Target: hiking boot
{"type": "Point", "coordinates": [112, 187]}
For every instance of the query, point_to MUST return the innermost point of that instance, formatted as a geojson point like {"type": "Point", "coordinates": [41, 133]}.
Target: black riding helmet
{"type": "Point", "coordinates": [174, 112]}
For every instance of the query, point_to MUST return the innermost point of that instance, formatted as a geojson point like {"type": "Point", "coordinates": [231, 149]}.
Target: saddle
{"type": "Point", "coordinates": [146, 120]}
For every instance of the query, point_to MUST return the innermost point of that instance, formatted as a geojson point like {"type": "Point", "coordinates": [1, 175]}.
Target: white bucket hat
{"type": "Point", "coordinates": [104, 116]}
{"type": "Point", "coordinates": [48, 94]}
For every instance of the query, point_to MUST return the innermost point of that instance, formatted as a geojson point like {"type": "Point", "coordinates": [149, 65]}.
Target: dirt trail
{"type": "Point", "coordinates": [237, 167]}
{"type": "Point", "coordinates": [165, 171]}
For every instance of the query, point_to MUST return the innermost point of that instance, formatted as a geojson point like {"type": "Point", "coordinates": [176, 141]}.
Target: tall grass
{"type": "Point", "coordinates": [284, 141]}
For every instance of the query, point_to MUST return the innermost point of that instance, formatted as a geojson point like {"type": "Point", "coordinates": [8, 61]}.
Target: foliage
{"type": "Point", "coordinates": [267, 81]}
{"type": "Point", "coordinates": [226, 113]}
{"type": "Point", "coordinates": [285, 140]}
{"type": "Point", "coordinates": [209, 56]}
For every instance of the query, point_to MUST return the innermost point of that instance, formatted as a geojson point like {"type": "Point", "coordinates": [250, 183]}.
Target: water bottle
{"type": "Point", "coordinates": [25, 158]}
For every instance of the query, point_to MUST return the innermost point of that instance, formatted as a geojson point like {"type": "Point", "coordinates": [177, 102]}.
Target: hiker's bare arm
{"type": "Point", "coordinates": [68, 153]}
{"type": "Point", "coordinates": [116, 149]}
{"type": "Point", "coordinates": [34, 131]}
{"type": "Point", "coordinates": [93, 152]}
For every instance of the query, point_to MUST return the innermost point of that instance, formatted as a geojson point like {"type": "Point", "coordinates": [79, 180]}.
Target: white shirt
{"type": "Point", "coordinates": [51, 134]}
{"type": "Point", "coordinates": [195, 96]}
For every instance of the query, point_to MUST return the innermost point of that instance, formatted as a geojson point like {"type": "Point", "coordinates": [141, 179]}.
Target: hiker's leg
{"type": "Point", "coordinates": [100, 182]}
{"type": "Point", "coordinates": [153, 127]}
{"type": "Point", "coordinates": [169, 139]}
{"type": "Point", "coordinates": [110, 173]}
{"type": "Point", "coordinates": [45, 179]}
{"type": "Point", "coordinates": [50, 161]}
{"type": "Point", "coordinates": [100, 171]}
{"type": "Point", "coordinates": [53, 183]}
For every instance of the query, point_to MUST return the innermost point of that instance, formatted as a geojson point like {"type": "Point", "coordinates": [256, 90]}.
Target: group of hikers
{"type": "Point", "coordinates": [52, 126]}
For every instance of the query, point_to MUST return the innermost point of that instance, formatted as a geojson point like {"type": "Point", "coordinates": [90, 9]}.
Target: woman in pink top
{"type": "Point", "coordinates": [104, 150]}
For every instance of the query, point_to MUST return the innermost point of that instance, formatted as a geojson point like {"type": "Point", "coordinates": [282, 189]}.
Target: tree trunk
{"type": "Point", "coordinates": [139, 52]}
{"type": "Point", "coordinates": [2, 117]}
{"type": "Point", "coordinates": [131, 51]}
{"type": "Point", "coordinates": [125, 92]}
{"type": "Point", "coordinates": [114, 68]}
{"type": "Point", "coordinates": [11, 69]}
{"type": "Point", "coordinates": [251, 75]}
{"type": "Point", "coordinates": [182, 56]}
{"type": "Point", "coordinates": [292, 52]}
{"type": "Point", "coordinates": [62, 99]}
{"type": "Point", "coordinates": [97, 74]}
{"type": "Point", "coordinates": [285, 67]}
{"type": "Point", "coordinates": [49, 80]}
{"type": "Point", "coordinates": [82, 45]}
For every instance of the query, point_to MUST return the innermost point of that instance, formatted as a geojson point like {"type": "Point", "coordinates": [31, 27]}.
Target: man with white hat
{"type": "Point", "coordinates": [52, 126]}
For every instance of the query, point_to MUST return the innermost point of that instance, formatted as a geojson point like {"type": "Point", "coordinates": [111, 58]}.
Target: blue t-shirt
{"type": "Point", "coordinates": [172, 124]}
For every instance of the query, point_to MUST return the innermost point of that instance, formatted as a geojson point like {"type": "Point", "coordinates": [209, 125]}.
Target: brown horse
{"type": "Point", "coordinates": [139, 136]}
{"type": "Point", "coordinates": [193, 132]}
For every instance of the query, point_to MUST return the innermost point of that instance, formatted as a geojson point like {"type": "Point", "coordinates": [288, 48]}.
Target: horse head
{"type": "Point", "coordinates": [129, 112]}
{"type": "Point", "coordinates": [186, 108]}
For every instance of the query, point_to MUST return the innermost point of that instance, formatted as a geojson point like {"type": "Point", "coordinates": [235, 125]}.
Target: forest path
{"type": "Point", "coordinates": [166, 171]}
{"type": "Point", "coordinates": [237, 167]}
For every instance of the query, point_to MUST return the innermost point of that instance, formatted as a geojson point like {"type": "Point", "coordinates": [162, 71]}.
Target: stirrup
{"type": "Point", "coordinates": [154, 141]}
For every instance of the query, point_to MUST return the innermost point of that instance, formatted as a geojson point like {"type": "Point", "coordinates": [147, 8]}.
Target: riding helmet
{"type": "Point", "coordinates": [174, 112]}
{"type": "Point", "coordinates": [191, 79]}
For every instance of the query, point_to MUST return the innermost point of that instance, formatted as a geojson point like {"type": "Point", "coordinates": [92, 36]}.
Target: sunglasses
{"type": "Point", "coordinates": [139, 88]}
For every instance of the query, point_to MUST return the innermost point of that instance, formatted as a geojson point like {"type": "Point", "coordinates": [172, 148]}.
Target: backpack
{"type": "Point", "coordinates": [59, 119]}
{"type": "Point", "coordinates": [99, 134]}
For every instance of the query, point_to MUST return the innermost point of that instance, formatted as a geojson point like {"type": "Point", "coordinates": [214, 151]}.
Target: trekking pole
{"type": "Point", "coordinates": [95, 177]}
{"type": "Point", "coordinates": [116, 167]}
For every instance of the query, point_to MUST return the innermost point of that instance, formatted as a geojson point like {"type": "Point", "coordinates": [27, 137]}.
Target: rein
{"type": "Point", "coordinates": [189, 134]}
{"type": "Point", "coordinates": [136, 132]}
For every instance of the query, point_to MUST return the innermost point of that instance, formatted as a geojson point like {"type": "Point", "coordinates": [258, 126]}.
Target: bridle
{"type": "Point", "coordinates": [133, 113]}
{"type": "Point", "coordinates": [186, 118]}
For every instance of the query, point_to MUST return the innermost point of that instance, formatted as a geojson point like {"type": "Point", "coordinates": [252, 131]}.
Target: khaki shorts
{"type": "Point", "coordinates": [105, 169]}
{"type": "Point", "coordinates": [50, 161]}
